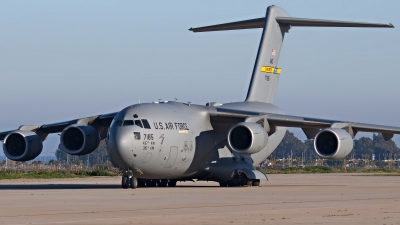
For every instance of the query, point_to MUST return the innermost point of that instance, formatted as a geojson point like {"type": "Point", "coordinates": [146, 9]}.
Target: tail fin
{"type": "Point", "coordinates": [275, 24]}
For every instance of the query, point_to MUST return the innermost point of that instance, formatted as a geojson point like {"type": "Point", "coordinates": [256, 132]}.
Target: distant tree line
{"type": "Point", "coordinates": [364, 147]}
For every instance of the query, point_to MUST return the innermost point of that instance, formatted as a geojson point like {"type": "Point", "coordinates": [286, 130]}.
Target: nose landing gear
{"type": "Point", "coordinates": [125, 183]}
{"type": "Point", "coordinates": [129, 181]}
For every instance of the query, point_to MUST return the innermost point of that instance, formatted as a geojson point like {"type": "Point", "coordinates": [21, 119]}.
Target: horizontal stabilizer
{"type": "Point", "coordinates": [303, 22]}
{"type": "Point", "coordinates": [292, 21]}
{"type": "Point", "coordinates": [240, 25]}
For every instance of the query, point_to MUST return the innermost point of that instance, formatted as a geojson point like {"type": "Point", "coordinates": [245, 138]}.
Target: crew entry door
{"type": "Point", "coordinates": [172, 157]}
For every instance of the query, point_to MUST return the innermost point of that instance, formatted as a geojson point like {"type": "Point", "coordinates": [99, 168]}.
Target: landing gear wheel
{"type": "Point", "coordinates": [256, 183]}
{"type": "Point", "coordinates": [124, 183]}
{"type": "Point", "coordinates": [163, 183]}
{"type": "Point", "coordinates": [172, 183]}
{"type": "Point", "coordinates": [248, 183]}
{"type": "Point", "coordinates": [134, 183]}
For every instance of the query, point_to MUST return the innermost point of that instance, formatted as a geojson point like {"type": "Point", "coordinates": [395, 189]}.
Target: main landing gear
{"type": "Point", "coordinates": [240, 180]}
{"type": "Point", "coordinates": [238, 183]}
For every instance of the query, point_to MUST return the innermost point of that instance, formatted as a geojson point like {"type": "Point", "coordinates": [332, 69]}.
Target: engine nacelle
{"type": "Point", "coordinates": [79, 139]}
{"type": "Point", "coordinates": [333, 143]}
{"type": "Point", "coordinates": [247, 138]}
{"type": "Point", "coordinates": [22, 145]}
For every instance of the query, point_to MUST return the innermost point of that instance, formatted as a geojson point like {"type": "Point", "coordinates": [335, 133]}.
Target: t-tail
{"type": "Point", "coordinates": [275, 24]}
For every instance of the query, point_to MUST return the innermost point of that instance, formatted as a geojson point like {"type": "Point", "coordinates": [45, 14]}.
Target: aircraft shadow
{"type": "Point", "coordinates": [195, 186]}
{"type": "Point", "coordinates": [57, 186]}
{"type": "Point", "coordinates": [82, 186]}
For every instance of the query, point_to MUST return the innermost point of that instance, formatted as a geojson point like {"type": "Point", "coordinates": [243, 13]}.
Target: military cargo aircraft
{"type": "Point", "coordinates": [160, 143]}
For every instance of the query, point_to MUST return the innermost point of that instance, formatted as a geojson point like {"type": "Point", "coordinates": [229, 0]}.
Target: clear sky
{"type": "Point", "coordinates": [61, 60]}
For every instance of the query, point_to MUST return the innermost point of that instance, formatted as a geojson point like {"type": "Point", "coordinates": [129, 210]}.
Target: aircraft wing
{"type": "Point", "coordinates": [310, 126]}
{"type": "Point", "coordinates": [100, 122]}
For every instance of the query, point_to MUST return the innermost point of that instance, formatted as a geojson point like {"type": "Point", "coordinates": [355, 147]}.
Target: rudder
{"type": "Point", "coordinates": [265, 77]}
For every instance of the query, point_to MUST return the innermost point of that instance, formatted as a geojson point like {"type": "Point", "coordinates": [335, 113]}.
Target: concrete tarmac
{"type": "Point", "coordinates": [284, 199]}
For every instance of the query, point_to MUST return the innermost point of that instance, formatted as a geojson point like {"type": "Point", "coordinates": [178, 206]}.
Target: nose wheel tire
{"type": "Point", "coordinates": [134, 183]}
{"type": "Point", "coordinates": [125, 183]}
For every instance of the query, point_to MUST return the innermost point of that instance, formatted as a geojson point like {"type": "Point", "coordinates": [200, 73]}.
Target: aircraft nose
{"type": "Point", "coordinates": [119, 146]}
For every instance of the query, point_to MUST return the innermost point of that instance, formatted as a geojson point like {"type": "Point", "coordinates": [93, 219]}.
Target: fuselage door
{"type": "Point", "coordinates": [172, 157]}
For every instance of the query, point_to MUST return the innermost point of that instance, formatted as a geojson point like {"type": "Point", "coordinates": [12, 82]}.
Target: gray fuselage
{"type": "Point", "coordinates": [176, 140]}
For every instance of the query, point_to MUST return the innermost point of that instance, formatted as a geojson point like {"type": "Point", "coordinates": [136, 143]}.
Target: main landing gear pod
{"type": "Point", "coordinates": [245, 177]}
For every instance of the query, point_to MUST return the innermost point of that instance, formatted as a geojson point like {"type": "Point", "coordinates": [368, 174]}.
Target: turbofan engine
{"type": "Point", "coordinates": [247, 138]}
{"type": "Point", "coordinates": [333, 143]}
{"type": "Point", "coordinates": [79, 139]}
{"type": "Point", "coordinates": [22, 145]}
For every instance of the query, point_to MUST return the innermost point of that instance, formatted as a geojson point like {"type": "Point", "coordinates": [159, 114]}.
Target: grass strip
{"type": "Point", "coordinates": [324, 169]}
{"type": "Point", "coordinates": [53, 174]}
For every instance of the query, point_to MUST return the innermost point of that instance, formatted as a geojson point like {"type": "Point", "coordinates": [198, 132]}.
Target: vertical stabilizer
{"type": "Point", "coordinates": [275, 24]}
{"type": "Point", "coordinates": [265, 77]}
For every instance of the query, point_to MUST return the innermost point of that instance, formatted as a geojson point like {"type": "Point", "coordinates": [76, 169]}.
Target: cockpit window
{"type": "Point", "coordinates": [128, 123]}
{"type": "Point", "coordinates": [138, 123]}
{"type": "Point", "coordinates": [146, 124]}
